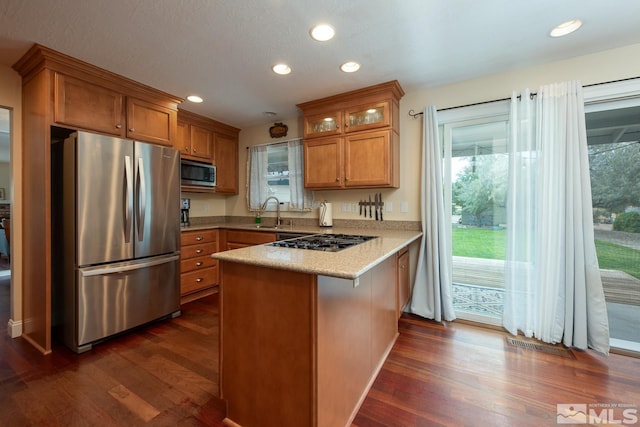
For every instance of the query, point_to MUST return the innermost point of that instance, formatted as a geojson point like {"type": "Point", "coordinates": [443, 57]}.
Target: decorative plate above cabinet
{"type": "Point", "coordinates": [352, 140]}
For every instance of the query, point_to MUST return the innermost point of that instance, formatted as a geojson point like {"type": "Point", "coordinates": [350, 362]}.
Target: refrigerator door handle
{"type": "Point", "coordinates": [128, 208]}
{"type": "Point", "coordinates": [123, 268]}
{"type": "Point", "coordinates": [142, 199]}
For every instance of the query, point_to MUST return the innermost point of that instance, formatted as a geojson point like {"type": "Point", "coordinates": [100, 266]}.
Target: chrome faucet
{"type": "Point", "coordinates": [264, 206]}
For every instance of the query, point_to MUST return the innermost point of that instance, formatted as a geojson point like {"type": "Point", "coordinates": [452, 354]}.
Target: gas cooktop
{"type": "Point", "coordinates": [323, 242]}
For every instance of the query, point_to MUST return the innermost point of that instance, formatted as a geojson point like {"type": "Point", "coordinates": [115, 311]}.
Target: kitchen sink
{"type": "Point", "coordinates": [266, 227]}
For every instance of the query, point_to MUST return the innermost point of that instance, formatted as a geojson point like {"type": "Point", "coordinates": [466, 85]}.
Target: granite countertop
{"type": "Point", "coordinates": [349, 263]}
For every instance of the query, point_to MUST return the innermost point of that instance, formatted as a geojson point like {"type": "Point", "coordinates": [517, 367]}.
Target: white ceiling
{"type": "Point", "coordinates": [223, 49]}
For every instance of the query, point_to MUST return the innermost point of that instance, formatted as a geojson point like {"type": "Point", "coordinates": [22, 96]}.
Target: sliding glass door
{"type": "Point", "coordinates": [613, 135]}
{"type": "Point", "coordinates": [476, 177]}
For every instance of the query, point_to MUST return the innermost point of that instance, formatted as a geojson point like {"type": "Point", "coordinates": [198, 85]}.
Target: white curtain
{"type": "Point", "coordinates": [257, 185]}
{"type": "Point", "coordinates": [552, 279]}
{"type": "Point", "coordinates": [301, 199]}
{"type": "Point", "coordinates": [431, 297]}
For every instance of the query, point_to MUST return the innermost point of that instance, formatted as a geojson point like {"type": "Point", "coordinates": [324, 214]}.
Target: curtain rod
{"type": "Point", "coordinates": [273, 143]}
{"type": "Point", "coordinates": [415, 115]}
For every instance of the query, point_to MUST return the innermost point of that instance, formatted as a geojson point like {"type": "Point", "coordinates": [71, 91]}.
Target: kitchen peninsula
{"type": "Point", "coordinates": [304, 332]}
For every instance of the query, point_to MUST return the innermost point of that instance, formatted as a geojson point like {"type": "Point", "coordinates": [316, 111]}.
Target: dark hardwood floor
{"type": "Point", "coordinates": [436, 375]}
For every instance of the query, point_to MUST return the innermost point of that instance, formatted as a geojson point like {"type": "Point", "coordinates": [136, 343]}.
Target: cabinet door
{"type": "Point", "coordinates": [201, 143]}
{"type": "Point", "coordinates": [323, 163]}
{"type": "Point", "coordinates": [367, 117]}
{"type": "Point", "coordinates": [225, 157]}
{"type": "Point", "coordinates": [183, 139]}
{"type": "Point", "coordinates": [368, 159]}
{"type": "Point", "coordinates": [325, 124]}
{"type": "Point", "coordinates": [86, 105]}
{"type": "Point", "coordinates": [403, 284]}
{"type": "Point", "coordinates": [151, 122]}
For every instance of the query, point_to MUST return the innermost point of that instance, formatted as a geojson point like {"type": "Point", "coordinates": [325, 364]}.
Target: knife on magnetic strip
{"type": "Point", "coordinates": [376, 207]}
{"type": "Point", "coordinates": [381, 206]}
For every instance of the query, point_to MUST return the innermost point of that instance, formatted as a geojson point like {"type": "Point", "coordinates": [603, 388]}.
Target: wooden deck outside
{"type": "Point", "coordinates": [619, 287]}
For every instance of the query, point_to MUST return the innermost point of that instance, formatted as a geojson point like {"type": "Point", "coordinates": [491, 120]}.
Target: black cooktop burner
{"type": "Point", "coordinates": [323, 242]}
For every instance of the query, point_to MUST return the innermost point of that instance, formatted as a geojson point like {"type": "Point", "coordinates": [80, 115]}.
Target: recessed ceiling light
{"type": "Point", "coordinates": [281, 69]}
{"type": "Point", "coordinates": [194, 98]}
{"type": "Point", "coordinates": [322, 32]}
{"type": "Point", "coordinates": [566, 28]}
{"type": "Point", "coordinates": [350, 67]}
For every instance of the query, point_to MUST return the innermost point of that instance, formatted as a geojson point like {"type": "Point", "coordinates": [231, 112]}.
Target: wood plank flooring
{"type": "Point", "coordinates": [166, 374]}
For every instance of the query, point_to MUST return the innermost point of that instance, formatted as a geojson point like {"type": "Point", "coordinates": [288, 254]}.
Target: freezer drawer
{"type": "Point", "coordinates": [116, 297]}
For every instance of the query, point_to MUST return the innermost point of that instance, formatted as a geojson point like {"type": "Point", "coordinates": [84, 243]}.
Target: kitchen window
{"type": "Point", "coordinates": [277, 170]}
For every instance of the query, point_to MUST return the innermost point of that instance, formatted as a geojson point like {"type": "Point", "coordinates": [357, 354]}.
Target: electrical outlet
{"type": "Point", "coordinates": [388, 206]}
{"type": "Point", "coordinates": [354, 207]}
{"type": "Point", "coordinates": [346, 207]}
{"type": "Point", "coordinates": [404, 207]}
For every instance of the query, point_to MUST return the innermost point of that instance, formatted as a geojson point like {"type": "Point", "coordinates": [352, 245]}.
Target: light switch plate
{"type": "Point", "coordinates": [404, 207]}
{"type": "Point", "coordinates": [388, 206]}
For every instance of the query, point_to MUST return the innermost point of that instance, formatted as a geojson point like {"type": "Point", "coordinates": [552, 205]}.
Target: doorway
{"type": "Point", "coordinates": [5, 214]}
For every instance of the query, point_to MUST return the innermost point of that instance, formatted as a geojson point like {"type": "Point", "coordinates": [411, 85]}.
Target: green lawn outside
{"type": "Point", "coordinates": [491, 244]}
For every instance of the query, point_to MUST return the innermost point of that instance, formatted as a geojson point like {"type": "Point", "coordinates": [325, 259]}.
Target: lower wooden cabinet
{"type": "Point", "coordinates": [403, 280]}
{"type": "Point", "coordinates": [198, 271]}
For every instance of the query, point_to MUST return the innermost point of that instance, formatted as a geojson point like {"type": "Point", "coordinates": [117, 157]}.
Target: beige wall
{"type": "Point", "coordinates": [11, 97]}
{"type": "Point", "coordinates": [602, 67]}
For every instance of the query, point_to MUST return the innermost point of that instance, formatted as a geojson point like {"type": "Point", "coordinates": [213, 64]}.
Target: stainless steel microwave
{"type": "Point", "coordinates": [197, 174]}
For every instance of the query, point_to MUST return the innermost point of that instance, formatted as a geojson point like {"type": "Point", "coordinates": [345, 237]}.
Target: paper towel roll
{"type": "Point", "coordinates": [326, 214]}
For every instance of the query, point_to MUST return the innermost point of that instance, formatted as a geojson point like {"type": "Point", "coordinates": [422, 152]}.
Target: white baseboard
{"type": "Point", "coordinates": [14, 328]}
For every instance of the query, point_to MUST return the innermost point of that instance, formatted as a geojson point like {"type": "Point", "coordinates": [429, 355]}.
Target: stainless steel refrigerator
{"type": "Point", "coordinates": [116, 236]}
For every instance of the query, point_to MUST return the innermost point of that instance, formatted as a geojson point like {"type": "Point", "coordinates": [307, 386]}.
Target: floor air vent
{"type": "Point", "coordinates": [544, 348]}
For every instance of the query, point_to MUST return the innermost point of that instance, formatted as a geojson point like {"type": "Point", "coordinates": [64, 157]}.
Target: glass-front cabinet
{"type": "Point", "coordinates": [367, 117]}
{"type": "Point", "coordinates": [323, 124]}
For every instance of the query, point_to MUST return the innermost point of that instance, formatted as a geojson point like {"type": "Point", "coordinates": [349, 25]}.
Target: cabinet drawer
{"type": "Point", "coordinates": [195, 237]}
{"type": "Point", "coordinates": [250, 237]}
{"type": "Point", "coordinates": [200, 262]}
{"type": "Point", "coordinates": [198, 250]}
{"type": "Point", "coordinates": [199, 279]}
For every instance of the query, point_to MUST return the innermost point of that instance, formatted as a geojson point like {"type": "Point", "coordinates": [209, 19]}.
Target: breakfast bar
{"type": "Point", "coordinates": [303, 332]}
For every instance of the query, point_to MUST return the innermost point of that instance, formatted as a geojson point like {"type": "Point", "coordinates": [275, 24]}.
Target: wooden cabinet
{"type": "Point", "coordinates": [352, 139]}
{"type": "Point", "coordinates": [206, 140]}
{"type": "Point", "coordinates": [225, 157]}
{"type": "Point", "coordinates": [195, 142]}
{"type": "Point", "coordinates": [403, 287]}
{"type": "Point", "coordinates": [235, 239]}
{"type": "Point", "coordinates": [331, 330]}
{"type": "Point", "coordinates": [85, 104]}
{"type": "Point", "coordinates": [61, 94]}
{"type": "Point", "coordinates": [198, 271]}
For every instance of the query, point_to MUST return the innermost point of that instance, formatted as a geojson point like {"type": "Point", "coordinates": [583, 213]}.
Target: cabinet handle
{"type": "Point", "coordinates": [198, 238]}
{"type": "Point", "coordinates": [403, 266]}
{"type": "Point", "coordinates": [199, 263]}
{"type": "Point", "coordinates": [118, 126]}
{"type": "Point", "coordinates": [194, 150]}
{"type": "Point", "coordinates": [131, 130]}
{"type": "Point", "coordinates": [186, 149]}
{"type": "Point", "coordinates": [199, 279]}
{"type": "Point", "coordinates": [337, 179]}
{"type": "Point", "coordinates": [198, 251]}
{"type": "Point", "coordinates": [346, 179]}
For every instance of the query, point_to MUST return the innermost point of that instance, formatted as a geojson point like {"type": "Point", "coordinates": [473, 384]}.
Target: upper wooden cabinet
{"type": "Point", "coordinates": [90, 104]}
{"type": "Point", "coordinates": [206, 140]}
{"type": "Point", "coordinates": [225, 157]}
{"type": "Point", "coordinates": [194, 142]}
{"type": "Point", "coordinates": [352, 140]}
